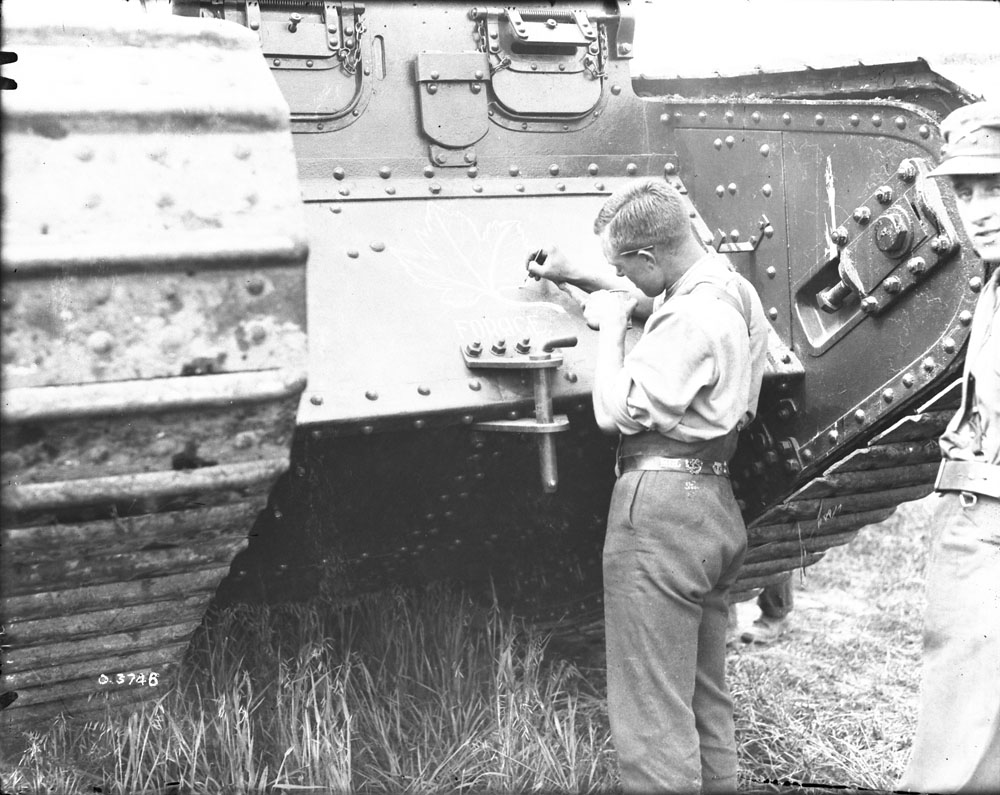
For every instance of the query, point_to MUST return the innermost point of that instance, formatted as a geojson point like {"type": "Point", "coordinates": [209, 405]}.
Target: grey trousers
{"type": "Point", "coordinates": [957, 746]}
{"type": "Point", "coordinates": [674, 546]}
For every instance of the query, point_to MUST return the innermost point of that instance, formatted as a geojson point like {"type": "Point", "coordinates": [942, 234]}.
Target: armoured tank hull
{"type": "Point", "coordinates": [437, 144]}
{"type": "Point", "coordinates": [153, 346]}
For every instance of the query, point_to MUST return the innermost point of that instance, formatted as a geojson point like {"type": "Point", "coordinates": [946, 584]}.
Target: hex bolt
{"type": "Point", "coordinates": [499, 348]}
{"type": "Point", "coordinates": [892, 232]}
{"type": "Point", "coordinates": [916, 265]}
{"type": "Point", "coordinates": [884, 195]}
{"type": "Point", "coordinates": [293, 22]}
{"type": "Point", "coordinates": [474, 348]}
{"type": "Point", "coordinates": [869, 305]}
{"type": "Point", "coordinates": [434, 188]}
{"type": "Point", "coordinates": [862, 215]}
{"type": "Point", "coordinates": [523, 346]}
{"type": "Point", "coordinates": [839, 236]}
{"type": "Point", "coordinates": [907, 171]}
{"type": "Point", "coordinates": [892, 285]}
{"type": "Point", "coordinates": [942, 245]}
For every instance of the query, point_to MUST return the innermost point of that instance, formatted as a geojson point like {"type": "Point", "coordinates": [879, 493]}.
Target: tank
{"type": "Point", "coordinates": [161, 443]}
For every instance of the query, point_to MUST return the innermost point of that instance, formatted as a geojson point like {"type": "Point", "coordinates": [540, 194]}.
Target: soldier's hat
{"type": "Point", "coordinates": [972, 141]}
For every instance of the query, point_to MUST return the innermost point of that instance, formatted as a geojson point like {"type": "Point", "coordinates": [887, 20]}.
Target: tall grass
{"type": "Point", "coordinates": [399, 692]}
{"type": "Point", "coordinates": [424, 691]}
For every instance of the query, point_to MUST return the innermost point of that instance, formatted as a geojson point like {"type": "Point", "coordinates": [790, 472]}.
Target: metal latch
{"type": "Point", "coordinates": [544, 423]}
{"type": "Point", "coordinates": [253, 14]}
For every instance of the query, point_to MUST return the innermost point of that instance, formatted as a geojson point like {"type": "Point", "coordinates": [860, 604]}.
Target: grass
{"type": "Point", "coordinates": [423, 691]}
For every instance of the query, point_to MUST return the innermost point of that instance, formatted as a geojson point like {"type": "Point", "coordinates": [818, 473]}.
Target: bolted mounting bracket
{"type": "Point", "coordinates": [729, 244]}
{"type": "Point", "coordinates": [545, 423]}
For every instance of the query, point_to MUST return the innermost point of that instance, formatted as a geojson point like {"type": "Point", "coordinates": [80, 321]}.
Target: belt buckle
{"type": "Point", "coordinates": [718, 468]}
{"type": "Point", "coordinates": [693, 465]}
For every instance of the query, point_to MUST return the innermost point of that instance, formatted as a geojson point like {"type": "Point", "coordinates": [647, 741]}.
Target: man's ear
{"type": "Point", "coordinates": [648, 258]}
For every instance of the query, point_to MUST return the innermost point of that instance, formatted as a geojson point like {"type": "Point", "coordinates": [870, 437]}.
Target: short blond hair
{"type": "Point", "coordinates": [643, 213]}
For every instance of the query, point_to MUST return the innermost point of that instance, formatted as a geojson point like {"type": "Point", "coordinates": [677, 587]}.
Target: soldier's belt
{"type": "Point", "coordinates": [659, 463]}
{"type": "Point", "coordinates": [971, 476]}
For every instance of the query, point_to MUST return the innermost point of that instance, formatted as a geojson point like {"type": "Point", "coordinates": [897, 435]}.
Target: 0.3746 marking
{"type": "Point", "coordinates": [142, 678]}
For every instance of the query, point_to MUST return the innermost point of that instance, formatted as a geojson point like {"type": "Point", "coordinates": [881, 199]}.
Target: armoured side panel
{"type": "Point", "coordinates": [153, 346]}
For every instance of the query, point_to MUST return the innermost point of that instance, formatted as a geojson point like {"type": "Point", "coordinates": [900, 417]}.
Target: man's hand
{"type": "Point", "coordinates": [609, 310]}
{"type": "Point", "coordinates": [550, 263]}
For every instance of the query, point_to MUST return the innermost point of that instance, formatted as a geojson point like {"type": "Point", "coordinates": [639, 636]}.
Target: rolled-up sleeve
{"type": "Point", "coordinates": [672, 362]}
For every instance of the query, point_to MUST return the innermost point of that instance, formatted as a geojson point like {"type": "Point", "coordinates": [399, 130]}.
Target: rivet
{"type": "Point", "coordinates": [377, 246]}
{"type": "Point", "coordinates": [924, 130]}
{"type": "Point", "coordinates": [833, 436]}
{"type": "Point", "coordinates": [755, 117]}
{"type": "Point", "coordinates": [948, 345]}
{"type": "Point", "coordinates": [786, 118]}
{"type": "Point", "coordinates": [554, 169]}
{"type": "Point", "coordinates": [664, 118]}
{"type": "Point", "coordinates": [428, 171]}
{"type": "Point", "coordinates": [316, 400]}
{"type": "Point", "coordinates": [615, 89]}
{"type": "Point", "coordinates": [441, 158]}
{"type": "Point", "coordinates": [276, 62]}
{"type": "Point", "coordinates": [916, 265]}
{"type": "Point", "coordinates": [900, 123]}
{"type": "Point", "coordinates": [477, 188]}
{"type": "Point", "coordinates": [475, 385]}
{"type": "Point", "coordinates": [730, 141]}
{"type": "Point", "coordinates": [435, 75]}
{"type": "Point", "coordinates": [670, 169]}
{"type": "Point", "coordinates": [876, 120]}
{"type": "Point", "coordinates": [734, 235]}
{"type": "Point", "coordinates": [806, 453]}
{"type": "Point", "coordinates": [513, 171]}
{"type": "Point", "coordinates": [771, 272]}
{"type": "Point", "coordinates": [385, 172]}
{"type": "Point", "coordinates": [390, 190]}
{"type": "Point", "coordinates": [855, 120]}
{"type": "Point", "coordinates": [565, 127]}
{"type": "Point", "coordinates": [859, 416]}
{"type": "Point", "coordinates": [165, 201]}
{"type": "Point", "coordinates": [479, 74]}
{"type": "Point", "coordinates": [869, 305]}
{"type": "Point", "coordinates": [907, 171]}
{"type": "Point", "coordinates": [631, 169]}
{"type": "Point", "coordinates": [720, 191]}
{"type": "Point", "coordinates": [766, 190]}
{"type": "Point", "coordinates": [524, 125]}
{"type": "Point", "coordinates": [257, 334]}
{"type": "Point", "coordinates": [472, 171]}
{"type": "Point", "coordinates": [888, 395]}
{"type": "Point", "coordinates": [367, 430]}
{"type": "Point", "coordinates": [423, 390]}
{"type": "Point", "coordinates": [243, 440]}
{"type": "Point", "coordinates": [928, 364]}
{"type": "Point", "coordinates": [786, 358]}
{"type": "Point", "coordinates": [884, 194]}
{"type": "Point", "coordinates": [255, 285]}
{"type": "Point", "coordinates": [336, 209]}
{"type": "Point", "coordinates": [862, 215]}
{"type": "Point", "coordinates": [353, 253]}
{"type": "Point", "coordinates": [339, 173]}
{"type": "Point", "coordinates": [730, 116]}
{"type": "Point", "coordinates": [677, 116]}
{"type": "Point", "coordinates": [344, 191]}
{"type": "Point", "coordinates": [772, 313]}
{"type": "Point", "coordinates": [519, 187]}
{"type": "Point", "coordinates": [309, 64]}
{"type": "Point", "coordinates": [100, 342]}
{"type": "Point", "coordinates": [975, 284]}
{"type": "Point", "coordinates": [599, 185]}
{"type": "Point", "coordinates": [434, 188]}
{"type": "Point", "coordinates": [892, 285]}
{"type": "Point", "coordinates": [908, 381]}
{"type": "Point", "coordinates": [418, 424]}
{"type": "Point", "coordinates": [765, 150]}
{"type": "Point", "coordinates": [819, 119]}
{"type": "Point", "coordinates": [717, 143]}
{"type": "Point", "coordinates": [593, 169]}
{"type": "Point", "coordinates": [965, 317]}
{"type": "Point", "coordinates": [534, 67]}
{"type": "Point", "coordinates": [702, 116]}
{"type": "Point", "coordinates": [371, 394]}
{"type": "Point", "coordinates": [731, 188]}
{"type": "Point", "coordinates": [432, 88]}
{"type": "Point", "coordinates": [571, 377]}
{"type": "Point", "coordinates": [86, 155]}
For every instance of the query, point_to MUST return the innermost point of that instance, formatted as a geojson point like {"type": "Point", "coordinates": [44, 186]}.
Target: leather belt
{"type": "Point", "coordinates": [659, 463]}
{"type": "Point", "coordinates": [973, 476]}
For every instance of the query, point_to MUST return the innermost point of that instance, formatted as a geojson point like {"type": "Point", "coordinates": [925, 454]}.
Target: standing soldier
{"type": "Point", "coordinates": [675, 537]}
{"type": "Point", "coordinates": [957, 746]}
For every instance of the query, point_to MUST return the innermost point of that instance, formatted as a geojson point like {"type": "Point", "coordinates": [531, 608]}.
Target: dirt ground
{"type": "Point", "coordinates": [833, 702]}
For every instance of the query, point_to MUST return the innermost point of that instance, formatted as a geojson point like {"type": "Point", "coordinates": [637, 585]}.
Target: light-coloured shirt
{"type": "Point", "coordinates": [974, 435]}
{"type": "Point", "coordinates": [695, 373]}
